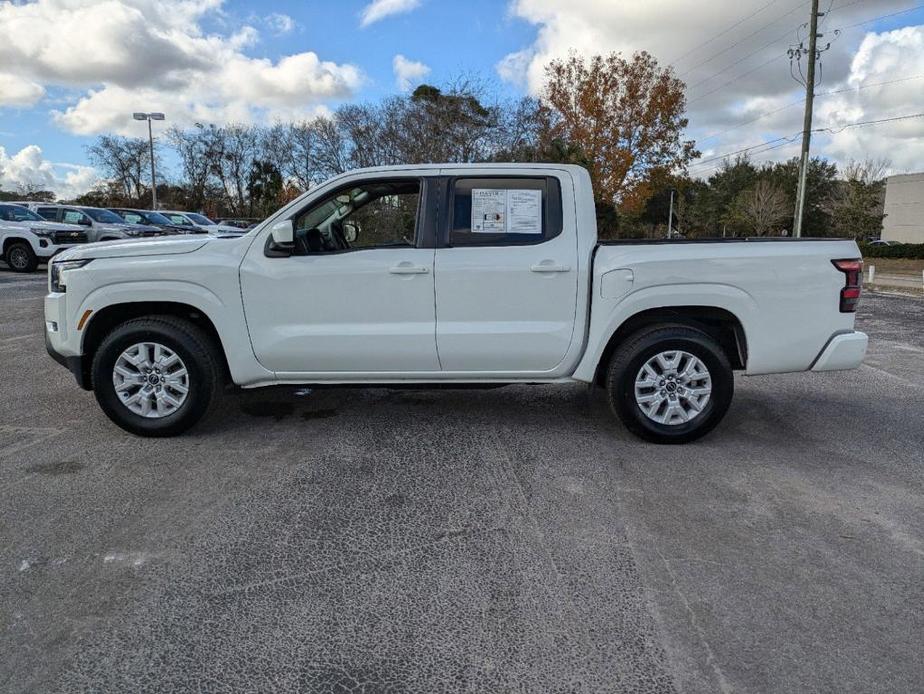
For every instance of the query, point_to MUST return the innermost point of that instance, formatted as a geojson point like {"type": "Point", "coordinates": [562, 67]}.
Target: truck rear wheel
{"type": "Point", "coordinates": [20, 257]}
{"type": "Point", "coordinates": [670, 383]}
{"type": "Point", "coordinates": [156, 376]}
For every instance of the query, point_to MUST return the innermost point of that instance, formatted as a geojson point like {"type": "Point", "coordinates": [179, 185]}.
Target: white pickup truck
{"type": "Point", "coordinates": [452, 274]}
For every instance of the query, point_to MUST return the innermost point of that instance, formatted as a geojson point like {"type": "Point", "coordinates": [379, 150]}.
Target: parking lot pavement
{"type": "Point", "coordinates": [394, 540]}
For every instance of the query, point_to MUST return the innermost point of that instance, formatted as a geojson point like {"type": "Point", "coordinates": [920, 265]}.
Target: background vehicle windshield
{"type": "Point", "coordinates": [156, 218]}
{"type": "Point", "coordinates": [15, 213]}
{"type": "Point", "coordinates": [104, 216]}
{"type": "Point", "coordinates": [199, 219]}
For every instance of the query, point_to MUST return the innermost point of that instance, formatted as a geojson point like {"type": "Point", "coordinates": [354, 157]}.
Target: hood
{"type": "Point", "coordinates": [54, 226]}
{"type": "Point", "coordinates": [133, 229]}
{"type": "Point", "coordinates": [40, 226]}
{"type": "Point", "coordinates": [130, 248]}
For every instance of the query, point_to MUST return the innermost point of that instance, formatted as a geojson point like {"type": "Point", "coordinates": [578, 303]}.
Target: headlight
{"type": "Point", "coordinates": [41, 232]}
{"type": "Point", "coordinates": [59, 267]}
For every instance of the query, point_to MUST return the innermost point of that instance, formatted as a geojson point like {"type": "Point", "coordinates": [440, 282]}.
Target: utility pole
{"type": "Point", "coordinates": [670, 217]}
{"type": "Point", "coordinates": [807, 126]}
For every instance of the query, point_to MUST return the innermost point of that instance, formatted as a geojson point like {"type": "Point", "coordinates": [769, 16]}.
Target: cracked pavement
{"type": "Point", "coordinates": [371, 540]}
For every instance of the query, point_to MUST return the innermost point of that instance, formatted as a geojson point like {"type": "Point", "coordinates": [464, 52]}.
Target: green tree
{"type": "Point", "coordinates": [856, 203]}
{"type": "Point", "coordinates": [264, 186]}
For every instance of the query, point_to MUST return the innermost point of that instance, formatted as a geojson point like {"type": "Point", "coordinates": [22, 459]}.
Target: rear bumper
{"type": "Point", "coordinates": [843, 351]}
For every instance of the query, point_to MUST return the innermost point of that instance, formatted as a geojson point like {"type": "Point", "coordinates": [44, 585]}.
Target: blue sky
{"type": "Point", "coordinates": [451, 38]}
{"type": "Point", "coordinates": [245, 60]}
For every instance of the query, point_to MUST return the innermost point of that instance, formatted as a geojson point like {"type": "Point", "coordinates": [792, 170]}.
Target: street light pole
{"type": "Point", "coordinates": [670, 217]}
{"type": "Point", "coordinates": [150, 117]}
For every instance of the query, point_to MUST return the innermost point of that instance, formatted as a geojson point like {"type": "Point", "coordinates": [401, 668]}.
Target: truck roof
{"type": "Point", "coordinates": [500, 166]}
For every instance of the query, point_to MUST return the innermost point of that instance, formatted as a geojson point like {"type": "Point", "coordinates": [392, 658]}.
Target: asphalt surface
{"type": "Point", "coordinates": [424, 541]}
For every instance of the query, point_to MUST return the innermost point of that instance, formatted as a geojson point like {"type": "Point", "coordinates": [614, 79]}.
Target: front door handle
{"type": "Point", "coordinates": [549, 266]}
{"type": "Point", "coordinates": [408, 268]}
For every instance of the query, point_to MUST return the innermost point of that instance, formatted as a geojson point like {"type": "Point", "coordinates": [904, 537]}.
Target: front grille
{"type": "Point", "coordinates": [63, 237]}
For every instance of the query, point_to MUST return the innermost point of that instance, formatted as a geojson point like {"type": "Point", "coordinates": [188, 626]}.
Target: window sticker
{"type": "Point", "coordinates": [489, 211]}
{"type": "Point", "coordinates": [506, 211]}
{"type": "Point", "coordinates": [524, 211]}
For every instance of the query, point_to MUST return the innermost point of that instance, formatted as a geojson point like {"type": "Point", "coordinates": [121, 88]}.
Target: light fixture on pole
{"type": "Point", "coordinates": [149, 117]}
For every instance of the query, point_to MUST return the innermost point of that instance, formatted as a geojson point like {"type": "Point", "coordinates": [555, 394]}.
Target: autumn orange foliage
{"type": "Point", "coordinates": [625, 116]}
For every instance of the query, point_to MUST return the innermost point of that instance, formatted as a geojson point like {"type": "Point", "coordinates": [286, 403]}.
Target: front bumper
{"type": "Point", "coordinates": [844, 351]}
{"type": "Point", "coordinates": [72, 364]}
{"type": "Point", "coordinates": [61, 343]}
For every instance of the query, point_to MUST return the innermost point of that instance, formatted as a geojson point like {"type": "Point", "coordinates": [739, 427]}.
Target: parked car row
{"type": "Point", "coordinates": [32, 232]}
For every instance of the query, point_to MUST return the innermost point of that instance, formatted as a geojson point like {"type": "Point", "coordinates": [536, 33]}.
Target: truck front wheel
{"type": "Point", "coordinates": [156, 376]}
{"type": "Point", "coordinates": [20, 257]}
{"type": "Point", "coordinates": [670, 383]}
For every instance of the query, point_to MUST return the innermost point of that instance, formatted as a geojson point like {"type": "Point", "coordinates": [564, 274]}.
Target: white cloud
{"type": "Point", "coordinates": [16, 91]}
{"type": "Point", "coordinates": [881, 58]}
{"type": "Point", "coordinates": [29, 168]}
{"type": "Point", "coordinates": [408, 72]}
{"type": "Point", "coordinates": [132, 55]}
{"type": "Point", "coordinates": [280, 23]}
{"type": "Point", "coordinates": [728, 85]}
{"type": "Point", "coordinates": [380, 9]}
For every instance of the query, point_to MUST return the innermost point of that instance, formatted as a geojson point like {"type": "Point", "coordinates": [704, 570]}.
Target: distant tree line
{"type": "Point", "coordinates": [620, 117]}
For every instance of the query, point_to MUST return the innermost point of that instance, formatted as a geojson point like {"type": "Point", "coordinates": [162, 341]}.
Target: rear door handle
{"type": "Point", "coordinates": [549, 266]}
{"type": "Point", "coordinates": [407, 268]}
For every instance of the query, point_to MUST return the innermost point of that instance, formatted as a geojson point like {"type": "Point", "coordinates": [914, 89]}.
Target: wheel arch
{"type": "Point", "coordinates": [10, 240]}
{"type": "Point", "coordinates": [101, 322]}
{"type": "Point", "coordinates": [721, 324]}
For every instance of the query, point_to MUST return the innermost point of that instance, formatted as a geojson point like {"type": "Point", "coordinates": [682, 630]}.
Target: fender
{"type": "Point", "coordinates": [228, 319]}
{"type": "Point", "coordinates": [613, 313]}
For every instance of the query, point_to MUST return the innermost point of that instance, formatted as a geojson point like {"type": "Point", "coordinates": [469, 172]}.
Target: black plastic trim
{"type": "Point", "coordinates": [72, 364]}
{"type": "Point", "coordinates": [718, 239]}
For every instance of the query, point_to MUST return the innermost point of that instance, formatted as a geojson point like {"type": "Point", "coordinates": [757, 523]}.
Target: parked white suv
{"type": "Point", "coordinates": [453, 274]}
{"type": "Point", "coordinates": [100, 224]}
{"type": "Point", "coordinates": [27, 240]}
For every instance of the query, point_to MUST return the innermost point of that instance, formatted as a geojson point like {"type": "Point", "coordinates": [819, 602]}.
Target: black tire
{"type": "Point", "coordinates": [636, 350]}
{"type": "Point", "coordinates": [20, 257]}
{"type": "Point", "coordinates": [194, 347]}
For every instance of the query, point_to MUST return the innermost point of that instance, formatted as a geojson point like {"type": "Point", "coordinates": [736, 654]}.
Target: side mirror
{"type": "Point", "coordinates": [84, 222]}
{"type": "Point", "coordinates": [283, 233]}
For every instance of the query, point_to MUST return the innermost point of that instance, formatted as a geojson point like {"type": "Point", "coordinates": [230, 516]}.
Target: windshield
{"type": "Point", "coordinates": [104, 216]}
{"type": "Point", "coordinates": [199, 219]}
{"type": "Point", "coordinates": [15, 213]}
{"type": "Point", "coordinates": [156, 218]}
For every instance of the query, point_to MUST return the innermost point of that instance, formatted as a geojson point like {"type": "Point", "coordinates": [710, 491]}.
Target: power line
{"type": "Point", "coordinates": [861, 87]}
{"type": "Point", "coordinates": [735, 79]}
{"type": "Point", "coordinates": [885, 16]}
{"type": "Point", "coordinates": [740, 41]}
{"type": "Point", "coordinates": [783, 141]}
{"type": "Point", "coordinates": [723, 32]}
{"type": "Point", "coordinates": [750, 72]}
{"type": "Point", "coordinates": [835, 131]}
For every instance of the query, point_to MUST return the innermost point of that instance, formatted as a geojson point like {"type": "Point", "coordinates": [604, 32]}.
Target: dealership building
{"type": "Point", "coordinates": [904, 209]}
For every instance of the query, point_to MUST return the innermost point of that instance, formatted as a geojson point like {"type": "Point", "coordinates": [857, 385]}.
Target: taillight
{"type": "Point", "coordinates": [850, 294]}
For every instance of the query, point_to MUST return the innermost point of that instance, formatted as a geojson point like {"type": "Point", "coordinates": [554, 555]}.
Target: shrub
{"type": "Point", "coordinates": [914, 251]}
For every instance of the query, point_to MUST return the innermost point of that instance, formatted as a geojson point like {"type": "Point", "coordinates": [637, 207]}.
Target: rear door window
{"type": "Point", "coordinates": [504, 211]}
{"type": "Point", "coordinates": [74, 217]}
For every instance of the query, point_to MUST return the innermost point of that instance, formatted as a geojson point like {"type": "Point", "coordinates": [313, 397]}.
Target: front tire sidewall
{"type": "Point", "coordinates": [622, 390]}
{"type": "Point", "coordinates": [21, 252]}
{"type": "Point", "coordinates": [201, 381]}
